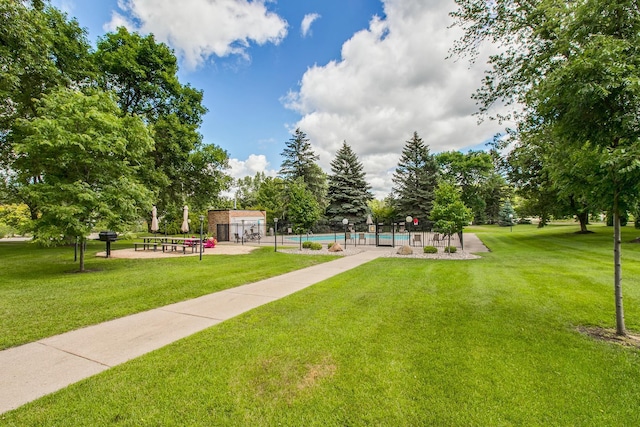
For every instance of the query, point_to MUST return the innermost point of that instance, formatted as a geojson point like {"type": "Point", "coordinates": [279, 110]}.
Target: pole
{"type": "Point", "coordinates": [201, 226]}
{"type": "Point", "coordinates": [345, 221]}
{"type": "Point", "coordinates": [275, 241]}
{"type": "Point", "coordinates": [345, 236]}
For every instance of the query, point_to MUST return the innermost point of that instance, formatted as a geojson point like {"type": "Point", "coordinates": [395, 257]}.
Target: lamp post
{"type": "Point", "coordinates": [408, 220]}
{"type": "Point", "coordinates": [511, 222]}
{"type": "Point", "coordinates": [201, 226]}
{"type": "Point", "coordinates": [275, 241]}
{"type": "Point", "coordinates": [345, 222]}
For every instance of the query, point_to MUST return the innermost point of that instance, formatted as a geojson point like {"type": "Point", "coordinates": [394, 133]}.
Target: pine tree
{"type": "Point", "coordinates": [348, 192]}
{"type": "Point", "coordinates": [415, 179]}
{"type": "Point", "coordinates": [300, 162]}
{"type": "Point", "coordinates": [507, 215]}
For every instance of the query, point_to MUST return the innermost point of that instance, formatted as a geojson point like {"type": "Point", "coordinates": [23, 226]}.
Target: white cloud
{"type": "Point", "coordinates": [392, 79]}
{"type": "Point", "coordinates": [253, 164]}
{"type": "Point", "coordinates": [306, 23]}
{"type": "Point", "coordinates": [198, 29]}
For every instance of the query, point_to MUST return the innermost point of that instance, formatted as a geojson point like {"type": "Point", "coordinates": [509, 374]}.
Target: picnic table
{"type": "Point", "coordinates": [170, 243]}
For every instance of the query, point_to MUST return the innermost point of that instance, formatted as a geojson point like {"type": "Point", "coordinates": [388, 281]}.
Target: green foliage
{"type": "Point", "coordinates": [624, 219]}
{"type": "Point", "coordinates": [143, 74]}
{"type": "Point", "coordinates": [43, 52]}
{"type": "Point", "coordinates": [430, 250]}
{"type": "Point", "coordinates": [415, 179]}
{"type": "Point", "coordinates": [205, 177]}
{"type": "Point", "coordinates": [507, 215]}
{"type": "Point", "coordinates": [450, 249]}
{"type": "Point", "coordinates": [348, 191]}
{"type": "Point", "coordinates": [573, 70]}
{"type": "Point", "coordinates": [383, 210]}
{"type": "Point", "coordinates": [271, 197]}
{"type": "Point", "coordinates": [307, 244]}
{"type": "Point", "coordinates": [86, 156]}
{"type": "Point", "coordinates": [15, 219]}
{"type": "Point", "coordinates": [481, 186]}
{"type": "Point", "coordinates": [449, 214]}
{"type": "Point", "coordinates": [531, 170]}
{"type": "Point", "coordinates": [299, 161]}
{"type": "Point", "coordinates": [315, 246]}
{"type": "Point", "coordinates": [303, 211]}
{"type": "Point", "coordinates": [247, 188]}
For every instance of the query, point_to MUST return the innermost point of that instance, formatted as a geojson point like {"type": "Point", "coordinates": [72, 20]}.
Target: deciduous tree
{"type": "Point", "coordinates": [84, 156]}
{"type": "Point", "coordinates": [574, 68]}
{"type": "Point", "coordinates": [449, 213]}
{"type": "Point", "coordinates": [303, 210]}
{"type": "Point", "coordinates": [143, 74]}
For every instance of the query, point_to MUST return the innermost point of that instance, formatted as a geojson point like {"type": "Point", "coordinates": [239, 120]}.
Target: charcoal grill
{"type": "Point", "coordinates": [108, 237]}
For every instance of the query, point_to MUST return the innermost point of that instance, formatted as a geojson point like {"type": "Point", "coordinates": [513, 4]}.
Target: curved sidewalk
{"type": "Point", "coordinates": [50, 364]}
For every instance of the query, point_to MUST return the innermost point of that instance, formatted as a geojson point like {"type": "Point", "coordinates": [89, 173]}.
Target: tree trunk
{"type": "Point", "coordinates": [583, 217]}
{"type": "Point", "coordinates": [620, 328]}
{"type": "Point", "coordinates": [82, 248]}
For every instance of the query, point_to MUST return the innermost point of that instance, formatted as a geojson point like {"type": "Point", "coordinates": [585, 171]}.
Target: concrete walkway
{"type": "Point", "coordinates": [50, 364]}
{"type": "Point", "coordinates": [39, 368]}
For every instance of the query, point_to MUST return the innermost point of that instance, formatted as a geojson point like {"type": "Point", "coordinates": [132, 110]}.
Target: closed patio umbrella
{"type": "Point", "coordinates": [185, 220]}
{"type": "Point", "coordinates": [154, 220]}
{"type": "Point", "coordinates": [369, 220]}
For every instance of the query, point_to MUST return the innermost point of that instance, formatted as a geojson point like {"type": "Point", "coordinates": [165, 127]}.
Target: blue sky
{"type": "Point", "coordinates": [370, 72]}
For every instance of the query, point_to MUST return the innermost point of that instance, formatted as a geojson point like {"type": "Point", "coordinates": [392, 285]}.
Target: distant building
{"type": "Point", "coordinates": [225, 224]}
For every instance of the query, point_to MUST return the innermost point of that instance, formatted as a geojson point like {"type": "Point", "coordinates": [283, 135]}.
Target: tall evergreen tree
{"type": "Point", "coordinates": [300, 162]}
{"type": "Point", "coordinates": [415, 179]}
{"type": "Point", "coordinates": [348, 192]}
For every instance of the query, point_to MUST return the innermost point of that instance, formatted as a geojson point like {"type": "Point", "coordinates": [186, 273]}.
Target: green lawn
{"type": "Point", "coordinates": [488, 342]}
{"type": "Point", "coordinates": [41, 293]}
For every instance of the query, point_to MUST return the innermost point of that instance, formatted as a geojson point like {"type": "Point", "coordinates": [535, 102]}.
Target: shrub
{"type": "Point", "coordinates": [315, 246]}
{"type": "Point", "coordinates": [430, 250]}
{"type": "Point", "coordinates": [450, 249]}
{"type": "Point", "coordinates": [330, 244]}
{"type": "Point", "coordinates": [307, 244]}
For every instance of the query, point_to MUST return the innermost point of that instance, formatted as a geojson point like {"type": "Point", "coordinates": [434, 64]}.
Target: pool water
{"type": "Point", "coordinates": [339, 237]}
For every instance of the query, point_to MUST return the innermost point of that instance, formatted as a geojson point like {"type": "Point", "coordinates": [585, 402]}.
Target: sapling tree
{"type": "Point", "coordinates": [449, 213]}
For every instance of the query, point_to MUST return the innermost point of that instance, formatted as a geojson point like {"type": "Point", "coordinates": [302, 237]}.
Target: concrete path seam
{"type": "Point", "coordinates": [74, 354]}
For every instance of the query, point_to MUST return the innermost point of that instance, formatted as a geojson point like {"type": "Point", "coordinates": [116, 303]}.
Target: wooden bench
{"type": "Point", "coordinates": [176, 246]}
{"type": "Point", "coordinates": [145, 246]}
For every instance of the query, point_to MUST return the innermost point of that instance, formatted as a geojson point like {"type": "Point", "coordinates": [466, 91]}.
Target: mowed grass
{"type": "Point", "coordinates": [489, 342]}
{"type": "Point", "coordinates": [42, 294]}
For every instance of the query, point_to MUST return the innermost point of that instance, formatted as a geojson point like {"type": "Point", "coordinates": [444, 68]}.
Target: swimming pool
{"type": "Point", "coordinates": [370, 238]}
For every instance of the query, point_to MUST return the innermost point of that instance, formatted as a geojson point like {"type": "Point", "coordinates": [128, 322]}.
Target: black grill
{"type": "Point", "coordinates": [108, 236]}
